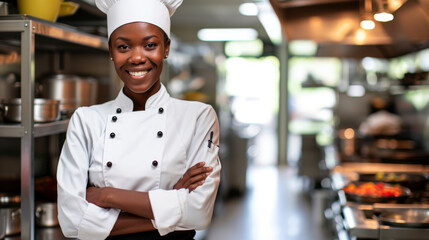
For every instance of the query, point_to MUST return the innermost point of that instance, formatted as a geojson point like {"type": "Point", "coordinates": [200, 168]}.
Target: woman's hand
{"type": "Point", "coordinates": [194, 177]}
{"type": "Point", "coordinates": [97, 196]}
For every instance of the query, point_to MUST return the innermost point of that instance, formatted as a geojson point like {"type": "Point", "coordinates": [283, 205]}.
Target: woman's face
{"type": "Point", "coordinates": [138, 50]}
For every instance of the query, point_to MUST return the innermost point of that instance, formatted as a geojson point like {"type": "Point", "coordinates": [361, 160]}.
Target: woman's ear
{"type": "Point", "coordinates": [167, 48]}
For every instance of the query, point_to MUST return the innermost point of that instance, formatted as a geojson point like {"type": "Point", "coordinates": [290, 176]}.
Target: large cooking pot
{"type": "Point", "coordinates": [45, 110]}
{"type": "Point", "coordinates": [61, 87]}
{"type": "Point", "coordinates": [46, 214]}
{"type": "Point", "coordinates": [10, 208]}
{"type": "Point", "coordinates": [73, 91]}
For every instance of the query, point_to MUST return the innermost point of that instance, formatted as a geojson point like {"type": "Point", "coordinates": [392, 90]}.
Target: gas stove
{"type": "Point", "coordinates": [357, 220]}
{"type": "Point", "coordinates": [362, 223]}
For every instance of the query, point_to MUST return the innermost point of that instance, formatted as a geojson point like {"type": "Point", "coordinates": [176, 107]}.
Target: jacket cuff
{"type": "Point", "coordinates": [97, 223]}
{"type": "Point", "coordinates": [168, 208]}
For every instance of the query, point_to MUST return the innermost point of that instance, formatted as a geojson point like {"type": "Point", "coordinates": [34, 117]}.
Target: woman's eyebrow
{"type": "Point", "coordinates": [122, 38]}
{"type": "Point", "coordinates": [127, 39]}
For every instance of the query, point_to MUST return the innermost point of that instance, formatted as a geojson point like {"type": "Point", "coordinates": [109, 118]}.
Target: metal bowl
{"type": "Point", "coordinates": [45, 110]}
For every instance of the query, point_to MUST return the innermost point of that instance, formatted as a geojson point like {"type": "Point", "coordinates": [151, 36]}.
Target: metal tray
{"type": "Point", "coordinates": [418, 218]}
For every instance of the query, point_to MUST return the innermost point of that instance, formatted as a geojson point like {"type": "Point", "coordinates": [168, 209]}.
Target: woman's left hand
{"type": "Point", "coordinates": [194, 177]}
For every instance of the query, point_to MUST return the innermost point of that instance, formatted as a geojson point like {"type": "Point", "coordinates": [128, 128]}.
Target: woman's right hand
{"type": "Point", "coordinates": [194, 177]}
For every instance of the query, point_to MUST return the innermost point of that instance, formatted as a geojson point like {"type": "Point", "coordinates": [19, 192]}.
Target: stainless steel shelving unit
{"type": "Point", "coordinates": [52, 36]}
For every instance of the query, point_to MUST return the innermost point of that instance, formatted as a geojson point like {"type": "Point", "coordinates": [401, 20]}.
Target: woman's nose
{"type": "Point", "coordinates": [137, 56]}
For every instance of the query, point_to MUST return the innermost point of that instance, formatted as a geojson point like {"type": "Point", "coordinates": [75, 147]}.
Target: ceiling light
{"type": "Point", "coordinates": [383, 17]}
{"type": "Point", "coordinates": [367, 24]}
{"type": "Point", "coordinates": [248, 9]}
{"type": "Point", "coordinates": [227, 34]}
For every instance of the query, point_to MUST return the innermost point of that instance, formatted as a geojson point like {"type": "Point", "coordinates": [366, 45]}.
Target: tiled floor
{"type": "Point", "coordinates": [274, 207]}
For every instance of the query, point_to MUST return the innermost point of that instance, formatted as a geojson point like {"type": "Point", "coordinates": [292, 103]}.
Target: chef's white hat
{"type": "Point", "coordinates": [156, 12]}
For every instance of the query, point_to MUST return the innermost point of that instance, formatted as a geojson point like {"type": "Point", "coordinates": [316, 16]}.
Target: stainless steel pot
{"type": "Point", "coordinates": [45, 110]}
{"type": "Point", "coordinates": [9, 86]}
{"type": "Point", "coordinates": [13, 220]}
{"type": "Point", "coordinates": [73, 91]}
{"type": "Point", "coordinates": [10, 213]}
{"type": "Point", "coordinates": [61, 87]}
{"type": "Point", "coordinates": [46, 214]}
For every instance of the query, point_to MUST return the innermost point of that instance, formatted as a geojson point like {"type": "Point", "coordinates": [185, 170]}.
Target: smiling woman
{"type": "Point", "coordinates": [138, 51]}
{"type": "Point", "coordinates": [139, 166]}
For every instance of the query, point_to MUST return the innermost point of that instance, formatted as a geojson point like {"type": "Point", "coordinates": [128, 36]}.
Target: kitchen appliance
{"type": "Point", "coordinates": [45, 110]}
{"type": "Point", "coordinates": [403, 220]}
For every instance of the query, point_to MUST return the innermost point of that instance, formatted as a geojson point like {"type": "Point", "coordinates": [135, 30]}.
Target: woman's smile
{"type": "Point", "coordinates": [138, 75]}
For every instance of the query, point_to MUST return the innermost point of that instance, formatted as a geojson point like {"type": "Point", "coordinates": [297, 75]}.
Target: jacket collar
{"type": "Point", "coordinates": [159, 99]}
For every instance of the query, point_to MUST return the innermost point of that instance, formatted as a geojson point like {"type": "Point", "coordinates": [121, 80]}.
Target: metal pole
{"type": "Point", "coordinates": [283, 120]}
{"type": "Point", "coordinates": [27, 141]}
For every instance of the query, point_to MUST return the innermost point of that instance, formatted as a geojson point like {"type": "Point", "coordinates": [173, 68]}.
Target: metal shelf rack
{"type": "Point", "coordinates": [30, 34]}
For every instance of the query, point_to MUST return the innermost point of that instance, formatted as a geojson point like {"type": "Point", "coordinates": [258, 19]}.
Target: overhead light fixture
{"type": "Point", "coordinates": [367, 23]}
{"type": "Point", "coordinates": [383, 15]}
{"type": "Point", "coordinates": [248, 9]}
{"type": "Point", "coordinates": [270, 21]}
{"type": "Point", "coordinates": [227, 34]}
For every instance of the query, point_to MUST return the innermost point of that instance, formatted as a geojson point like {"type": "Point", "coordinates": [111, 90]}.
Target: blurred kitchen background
{"type": "Point", "coordinates": [308, 93]}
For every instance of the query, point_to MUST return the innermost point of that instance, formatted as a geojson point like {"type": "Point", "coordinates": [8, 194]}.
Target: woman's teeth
{"type": "Point", "coordinates": [137, 74]}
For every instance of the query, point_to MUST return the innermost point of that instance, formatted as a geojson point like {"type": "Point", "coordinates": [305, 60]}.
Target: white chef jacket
{"type": "Point", "coordinates": [149, 151]}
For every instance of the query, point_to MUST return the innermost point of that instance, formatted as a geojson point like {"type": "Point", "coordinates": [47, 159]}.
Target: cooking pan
{"type": "Point", "coordinates": [405, 193]}
{"type": "Point", "coordinates": [409, 180]}
{"type": "Point", "coordinates": [418, 218]}
{"type": "Point", "coordinates": [45, 110]}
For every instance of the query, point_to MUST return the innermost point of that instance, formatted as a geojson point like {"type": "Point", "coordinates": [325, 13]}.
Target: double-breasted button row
{"type": "Point", "coordinates": [114, 119]}
{"type": "Point", "coordinates": [154, 164]}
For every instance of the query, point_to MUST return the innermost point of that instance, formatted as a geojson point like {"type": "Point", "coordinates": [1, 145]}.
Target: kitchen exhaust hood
{"type": "Point", "coordinates": [335, 26]}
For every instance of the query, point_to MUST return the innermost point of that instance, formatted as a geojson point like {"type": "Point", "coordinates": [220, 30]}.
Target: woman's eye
{"type": "Point", "coordinates": [123, 47]}
{"type": "Point", "coordinates": [150, 45]}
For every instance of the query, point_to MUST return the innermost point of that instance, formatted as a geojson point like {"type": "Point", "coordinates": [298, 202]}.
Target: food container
{"type": "Point", "coordinates": [45, 110]}
{"type": "Point", "coordinates": [68, 9]}
{"type": "Point", "coordinates": [46, 214]}
{"type": "Point", "coordinates": [44, 9]}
